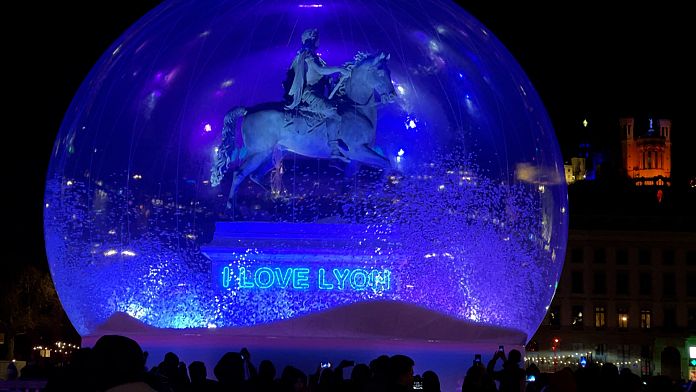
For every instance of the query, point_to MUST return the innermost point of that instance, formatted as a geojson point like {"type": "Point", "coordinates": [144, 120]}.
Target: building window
{"type": "Point", "coordinates": [623, 318]}
{"type": "Point", "coordinates": [555, 317]}
{"type": "Point", "coordinates": [576, 255]}
{"type": "Point", "coordinates": [621, 256]}
{"type": "Point", "coordinates": [691, 319]}
{"type": "Point", "coordinates": [600, 256]}
{"type": "Point", "coordinates": [691, 257]}
{"type": "Point", "coordinates": [577, 316]}
{"type": "Point", "coordinates": [645, 283]}
{"type": "Point", "coordinates": [577, 282]}
{"type": "Point", "coordinates": [600, 349]}
{"type": "Point", "coordinates": [668, 257]}
{"type": "Point", "coordinates": [644, 256]}
{"type": "Point", "coordinates": [691, 284]}
{"type": "Point", "coordinates": [668, 283]}
{"type": "Point", "coordinates": [645, 319]}
{"type": "Point", "coordinates": [600, 316]}
{"type": "Point", "coordinates": [622, 282]}
{"type": "Point", "coordinates": [600, 282]}
{"type": "Point", "coordinates": [670, 318]}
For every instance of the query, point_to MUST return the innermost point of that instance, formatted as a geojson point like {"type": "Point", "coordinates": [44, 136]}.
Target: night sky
{"type": "Point", "coordinates": [586, 61]}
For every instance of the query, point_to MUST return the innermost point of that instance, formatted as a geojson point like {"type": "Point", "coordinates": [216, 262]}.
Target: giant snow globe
{"type": "Point", "coordinates": [237, 164]}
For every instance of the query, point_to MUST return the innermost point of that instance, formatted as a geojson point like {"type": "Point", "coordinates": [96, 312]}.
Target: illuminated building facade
{"type": "Point", "coordinates": [647, 158]}
{"type": "Point", "coordinates": [576, 170]}
{"type": "Point", "coordinates": [626, 297]}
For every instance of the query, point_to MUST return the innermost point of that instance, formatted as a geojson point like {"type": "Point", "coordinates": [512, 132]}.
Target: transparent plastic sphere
{"type": "Point", "coordinates": [448, 193]}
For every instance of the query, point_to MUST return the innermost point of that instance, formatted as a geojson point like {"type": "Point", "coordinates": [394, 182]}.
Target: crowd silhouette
{"type": "Point", "coordinates": [118, 364]}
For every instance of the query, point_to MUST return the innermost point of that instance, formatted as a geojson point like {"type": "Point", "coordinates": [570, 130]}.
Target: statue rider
{"type": "Point", "coordinates": [308, 88]}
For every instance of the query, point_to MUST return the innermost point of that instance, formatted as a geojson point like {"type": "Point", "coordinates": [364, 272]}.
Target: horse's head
{"type": "Point", "coordinates": [372, 73]}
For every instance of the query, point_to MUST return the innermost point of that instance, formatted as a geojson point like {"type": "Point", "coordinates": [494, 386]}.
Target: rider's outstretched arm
{"type": "Point", "coordinates": [325, 70]}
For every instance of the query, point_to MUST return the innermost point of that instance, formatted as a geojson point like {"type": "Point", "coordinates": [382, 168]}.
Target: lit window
{"type": "Point", "coordinates": [645, 319]}
{"type": "Point", "coordinates": [600, 316]}
{"type": "Point", "coordinates": [623, 318]}
{"type": "Point", "coordinates": [577, 317]}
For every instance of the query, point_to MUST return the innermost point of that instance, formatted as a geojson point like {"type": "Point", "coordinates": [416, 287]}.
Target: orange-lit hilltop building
{"type": "Point", "coordinates": [627, 293]}
{"type": "Point", "coordinates": [647, 158]}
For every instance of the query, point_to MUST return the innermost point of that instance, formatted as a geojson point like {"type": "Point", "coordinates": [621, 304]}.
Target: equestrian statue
{"type": "Point", "coordinates": [312, 122]}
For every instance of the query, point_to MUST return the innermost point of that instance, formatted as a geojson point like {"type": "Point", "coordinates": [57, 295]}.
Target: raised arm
{"type": "Point", "coordinates": [490, 369]}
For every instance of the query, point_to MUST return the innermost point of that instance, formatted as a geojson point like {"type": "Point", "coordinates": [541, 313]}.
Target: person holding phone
{"type": "Point", "coordinates": [417, 382]}
{"type": "Point", "coordinates": [477, 379]}
{"type": "Point", "coordinates": [512, 378]}
{"type": "Point", "coordinates": [477, 360]}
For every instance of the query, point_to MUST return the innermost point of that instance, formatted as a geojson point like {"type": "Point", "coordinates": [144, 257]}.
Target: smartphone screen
{"type": "Point", "coordinates": [477, 358]}
{"type": "Point", "coordinates": [417, 382]}
{"type": "Point", "coordinates": [501, 348]}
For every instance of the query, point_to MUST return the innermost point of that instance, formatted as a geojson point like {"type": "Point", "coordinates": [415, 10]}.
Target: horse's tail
{"type": "Point", "coordinates": [227, 152]}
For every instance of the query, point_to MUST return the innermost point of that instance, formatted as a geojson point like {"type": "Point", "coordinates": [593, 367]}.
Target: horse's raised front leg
{"type": "Point", "coordinates": [251, 163]}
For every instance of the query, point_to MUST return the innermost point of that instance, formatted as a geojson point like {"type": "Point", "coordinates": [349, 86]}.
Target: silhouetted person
{"type": "Point", "coordinates": [431, 382]}
{"type": "Point", "coordinates": [609, 377]}
{"type": "Point", "coordinates": [478, 380]}
{"type": "Point", "coordinates": [359, 378]}
{"type": "Point", "coordinates": [248, 365]}
{"type": "Point", "coordinates": [119, 365]}
{"type": "Point", "coordinates": [12, 373]}
{"type": "Point", "coordinates": [662, 384]}
{"type": "Point", "coordinates": [174, 372]}
{"type": "Point", "coordinates": [77, 375]}
{"type": "Point", "coordinates": [264, 381]}
{"type": "Point", "coordinates": [400, 373]}
{"type": "Point", "coordinates": [230, 371]}
{"type": "Point", "coordinates": [379, 367]}
{"type": "Point", "coordinates": [587, 378]}
{"type": "Point", "coordinates": [562, 381]}
{"type": "Point", "coordinates": [629, 382]}
{"type": "Point", "coordinates": [199, 378]}
{"type": "Point", "coordinates": [512, 378]}
{"type": "Point", "coordinates": [534, 373]}
{"type": "Point", "coordinates": [293, 380]}
{"type": "Point", "coordinates": [328, 381]}
{"type": "Point", "coordinates": [35, 368]}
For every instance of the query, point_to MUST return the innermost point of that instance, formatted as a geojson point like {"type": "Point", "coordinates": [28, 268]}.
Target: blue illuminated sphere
{"type": "Point", "coordinates": [467, 219]}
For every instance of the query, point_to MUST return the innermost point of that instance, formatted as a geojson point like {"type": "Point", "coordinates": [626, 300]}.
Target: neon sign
{"type": "Point", "coordinates": [303, 278]}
